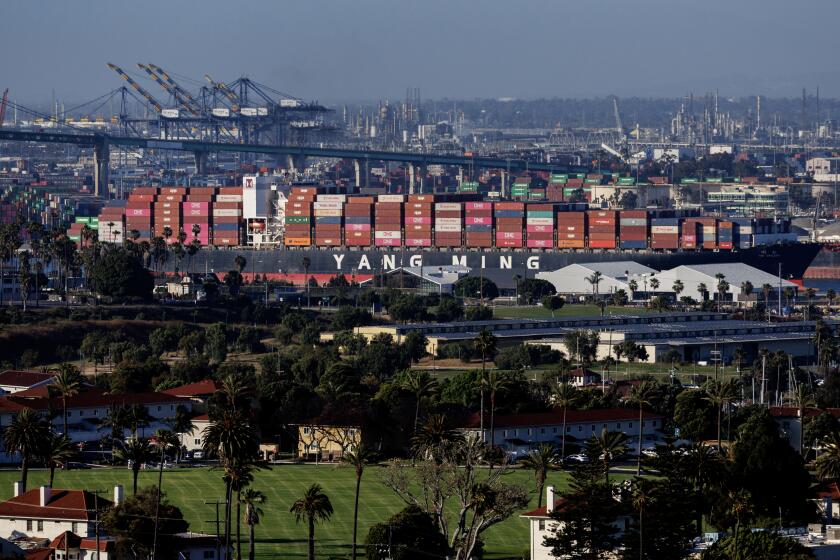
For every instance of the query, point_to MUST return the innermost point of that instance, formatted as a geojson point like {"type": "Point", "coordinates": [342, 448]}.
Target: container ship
{"type": "Point", "coordinates": [302, 232]}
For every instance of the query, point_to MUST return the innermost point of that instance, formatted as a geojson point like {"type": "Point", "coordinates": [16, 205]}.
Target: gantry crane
{"type": "Point", "coordinates": [184, 93]}
{"type": "Point", "coordinates": [225, 90]}
{"type": "Point", "coordinates": [3, 106]}
{"type": "Point", "coordinates": [169, 89]}
{"type": "Point", "coordinates": [137, 87]}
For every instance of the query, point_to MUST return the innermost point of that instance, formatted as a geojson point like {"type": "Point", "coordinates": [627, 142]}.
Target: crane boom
{"type": "Point", "coordinates": [223, 88]}
{"type": "Point", "coordinates": [618, 124]}
{"type": "Point", "coordinates": [169, 89]}
{"type": "Point", "coordinates": [3, 106]}
{"type": "Point", "coordinates": [137, 87]}
{"type": "Point", "coordinates": [184, 93]}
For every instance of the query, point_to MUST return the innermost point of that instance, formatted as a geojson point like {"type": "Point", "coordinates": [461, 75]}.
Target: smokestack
{"type": "Point", "coordinates": [45, 493]}
{"type": "Point", "coordinates": [549, 499]}
{"type": "Point", "coordinates": [18, 489]}
{"type": "Point", "coordinates": [119, 494]}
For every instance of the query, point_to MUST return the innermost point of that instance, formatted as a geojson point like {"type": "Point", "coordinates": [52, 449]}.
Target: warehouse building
{"type": "Point", "coordinates": [572, 280]}
{"type": "Point", "coordinates": [735, 274]}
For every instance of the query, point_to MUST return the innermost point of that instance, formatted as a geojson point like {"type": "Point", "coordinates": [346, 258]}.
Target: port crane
{"type": "Point", "coordinates": [168, 88]}
{"type": "Point", "coordinates": [184, 93]}
{"type": "Point", "coordinates": [137, 87]}
{"type": "Point", "coordinates": [226, 91]}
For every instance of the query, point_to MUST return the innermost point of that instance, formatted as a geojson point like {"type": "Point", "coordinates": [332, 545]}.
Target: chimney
{"type": "Point", "coordinates": [45, 495]}
{"type": "Point", "coordinates": [18, 489]}
{"type": "Point", "coordinates": [549, 499]}
{"type": "Point", "coordinates": [119, 494]}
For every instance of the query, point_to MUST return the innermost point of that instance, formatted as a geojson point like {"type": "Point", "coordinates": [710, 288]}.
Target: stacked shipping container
{"type": "Point", "coordinates": [449, 224]}
{"type": "Point", "coordinates": [299, 217]}
{"type": "Point", "coordinates": [633, 229]}
{"type": "Point", "coordinates": [510, 220]}
{"type": "Point", "coordinates": [602, 229]}
{"type": "Point", "coordinates": [227, 217]}
{"type": "Point", "coordinates": [571, 230]}
{"type": "Point", "coordinates": [328, 210]}
{"type": "Point", "coordinates": [539, 226]}
{"type": "Point", "coordinates": [417, 214]}
{"type": "Point", "coordinates": [358, 222]}
{"type": "Point", "coordinates": [665, 233]}
{"type": "Point", "coordinates": [388, 221]}
{"type": "Point", "coordinates": [478, 224]}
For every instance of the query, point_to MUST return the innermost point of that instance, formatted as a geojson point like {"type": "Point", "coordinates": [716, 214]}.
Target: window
{"type": "Point", "coordinates": [618, 425]}
{"type": "Point", "coordinates": [159, 408]}
{"type": "Point", "coordinates": [306, 430]}
{"type": "Point", "coordinates": [75, 527]}
{"type": "Point", "coordinates": [96, 412]}
{"type": "Point", "coordinates": [542, 524]}
{"type": "Point", "coordinates": [81, 413]}
{"type": "Point", "coordinates": [504, 433]}
{"type": "Point", "coordinates": [643, 424]}
{"type": "Point", "coordinates": [40, 525]}
{"type": "Point", "coordinates": [580, 428]}
{"type": "Point", "coordinates": [555, 429]}
{"type": "Point", "coordinates": [529, 431]}
{"type": "Point", "coordinates": [630, 424]}
{"type": "Point", "coordinates": [568, 429]}
{"type": "Point", "coordinates": [198, 441]}
{"type": "Point", "coordinates": [28, 524]}
{"type": "Point", "coordinates": [542, 430]}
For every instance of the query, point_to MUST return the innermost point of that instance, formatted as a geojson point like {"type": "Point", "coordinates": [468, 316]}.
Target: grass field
{"type": "Point", "coordinates": [277, 534]}
{"type": "Point", "coordinates": [540, 312]}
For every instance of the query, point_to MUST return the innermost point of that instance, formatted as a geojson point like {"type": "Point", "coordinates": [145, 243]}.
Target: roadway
{"type": "Point", "coordinates": [198, 146]}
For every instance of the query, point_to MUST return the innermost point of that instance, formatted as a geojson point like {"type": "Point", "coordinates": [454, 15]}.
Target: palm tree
{"type": "Point", "coordinates": [641, 498]}
{"type": "Point", "coordinates": [135, 452]}
{"type": "Point", "coordinates": [747, 288]}
{"type": "Point", "coordinates": [358, 459]}
{"type": "Point", "coordinates": [803, 399]}
{"type": "Point", "coordinates": [541, 460]}
{"type": "Point", "coordinates": [722, 289]}
{"type": "Point", "coordinates": [420, 384]}
{"type": "Point", "coordinates": [313, 507]}
{"type": "Point", "coordinates": [606, 447]}
{"type": "Point", "coordinates": [232, 439]}
{"type": "Point", "coordinates": [720, 394]}
{"type": "Point", "coordinates": [809, 295]}
{"type": "Point", "coordinates": [634, 287]}
{"type": "Point", "coordinates": [703, 291]}
{"type": "Point", "coordinates": [830, 296]}
{"type": "Point", "coordinates": [565, 396]}
{"type": "Point", "coordinates": [56, 450]}
{"type": "Point", "coordinates": [436, 431]}
{"type": "Point", "coordinates": [642, 395]}
{"type": "Point", "coordinates": [594, 279]}
{"type": "Point", "coordinates": [136, 417]}
{"type": "Point", "coordinates": [181, 424]}
{"type": "Point", "coordinates": [494, 382]}
{"type": "Point", "coordinates": [116, 421]}
{"type": "Point", "coordinates": [66, 383]}
{"type": "Point", "coordinates": [164, 439]}
{"type": "Point", "coordinates": [25, 435]}
{"type": "Point", "coordinates": [485, 343]}
{"type": "Point", "coordinates": [704, 467]}
{"type": "Point", "coordinates": [741, 508]}
{"type": "Point", "coordinates": [654, 284]}
{"type": "Point", "coordinates": [678, 288]}
{"type": "Point", "coordinates": [239, 477]}
{"type": "Point", "coordinates": [827, 464]}
{"type": "Point", "coordinates": [252, 499]}
{"type": "Point", "coordinates": [767, 289]}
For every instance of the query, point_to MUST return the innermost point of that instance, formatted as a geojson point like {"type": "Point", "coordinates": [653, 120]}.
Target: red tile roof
{"type": "Point", "coordinates": [542, 511]}
{"type": "Point", "coordinates": [555, 417]}
{"type": "Point", "coordinates": [40, 554]}
{"type": "Point", "coordinates": [72, 540]}
{"type": "Point", "coordinates": [76, 505]}
{"type": "Point", "coordinates": [793, 412]}
{"type": "Point", "coordinates": [20, 378]}
{"type": "Point", "coordinates": [201, 418]}
{"type": "Point", "coordinates": [828, 490]}
{"type": "Point", "coordinates": [203, 388]}
{"type": "Point", "coordinates": [32, 398]}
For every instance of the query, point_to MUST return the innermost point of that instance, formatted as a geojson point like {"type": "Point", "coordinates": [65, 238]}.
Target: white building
{"type": "Point", "coordinates": [824, 169]}
{"type": "Point", "coordinates": [46, 512]}
{"type": "Point", "coordinates": [614, 276]}
{"type": "Point", "coordinates": [735, 274]}
{"type": "Point", "coordinates": [194, 440]}
{"type": "Point", "coordinates": [14, 381]}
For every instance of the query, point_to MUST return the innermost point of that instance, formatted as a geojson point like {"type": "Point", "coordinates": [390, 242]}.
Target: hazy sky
{"type": "Point", "coordinates": [368, 49]}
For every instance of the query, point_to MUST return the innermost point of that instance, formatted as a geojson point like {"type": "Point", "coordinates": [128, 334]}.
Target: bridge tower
{"type": "Point", "coordinates": [101, 165]}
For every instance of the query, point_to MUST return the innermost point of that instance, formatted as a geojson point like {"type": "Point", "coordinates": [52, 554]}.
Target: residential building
{"type": "Point", "coordinates": [790, 421]}
{"type": "Point", "coordinates": [45, 512]}
{"type": "Point", "coordinates": [327, 442]}
{"type": "Point", "coordinates": [824, 169]}
{"type": "Point", "coordinates": [519, 433]}
{"type": "Point", "coordinates": [70, 546]}
{"type": "Point", "coordinates": [15, 381]}
{"type": "Point", "coordinates": [198, 393]}
{"type": "Point", "coordinates": [199, 546]}
{"type": "Point", "coordinates": [194, 440]}
{"type": "Point", "coordinates": [581, 377]}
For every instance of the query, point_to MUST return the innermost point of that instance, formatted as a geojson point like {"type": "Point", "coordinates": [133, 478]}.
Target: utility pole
{"type": "Point", "coordinates": [216, 503]}
{"type": "Point", "coordinates": [96, 518]}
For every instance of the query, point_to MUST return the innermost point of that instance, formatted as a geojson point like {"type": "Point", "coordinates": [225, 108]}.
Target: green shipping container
{"type": "Point", "coordinates": [626, 181]}
{"type": "Point", "coordinates": [539, 213]}
{"type": "Point", "coordinates": [297, 219]}
{"type": "Point", "coordinates": [688, 181]}
{"type": "Point", "coordinates": [714, 180]}
{"type": "Point", "coordinates": [580, 175]}
{"type": "Point", "coordinates": [559, 177]}
{"type": "Point", "coordinates": [537, 196]}
{"type": "Point", "coordinates": [592, 181]}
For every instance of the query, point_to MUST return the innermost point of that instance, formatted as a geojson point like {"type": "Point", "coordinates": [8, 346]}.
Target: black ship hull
{"type": "Point", "coordinates": [499, 265]}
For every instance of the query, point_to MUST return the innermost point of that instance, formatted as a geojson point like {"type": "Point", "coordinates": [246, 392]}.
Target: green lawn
{"type": "Point", "coordinates": [540, 312]}
{"type": "Point", "coordinates": [277, 535]}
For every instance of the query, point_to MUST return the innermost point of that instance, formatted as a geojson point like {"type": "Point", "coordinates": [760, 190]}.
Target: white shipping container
{"type": "Point", "coordinates": [219, 112]}
{"type": "Point", "coordinates": [448, 206]}
{"type": "Point", "coordinates": [448, 221]}
{"type": "Point", "coordinates": [448, 227]}
{"type": "Point", "coordinates": [328, 212]}
{"type": "Point", "coordinates": [290, 103]}
{"type": "Point", "coordinates": [169, 113]}
{"type": "Point", "coordinates": [226, 212]}
{"type": "Point", "coordinates": [539, 221]}
{"type": "Point", "coordinates": [327, 205]}
{"type": "Point", "coordinates": [673, 230]}
{"type": "Point", "coordinates": [390, 198]}
{"type": "Point", "coordinates": [389, 234]}
{"type": "Point", "coordinates": [331, 198]}
{"type": "Point", "coordinates": [228, 198]}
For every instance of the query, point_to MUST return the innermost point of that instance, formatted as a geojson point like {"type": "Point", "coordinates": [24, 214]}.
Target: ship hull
{"type": "Point", "coordinates": [499, 265]}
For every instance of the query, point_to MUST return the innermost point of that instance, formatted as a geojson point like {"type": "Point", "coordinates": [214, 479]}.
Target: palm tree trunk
{"type": "Point", "coordinates": [228, 494]}
{"type": "Point", "coordinates": [157, 505]}
{"type": "Point", "coordinates": [416, 412]}
{"type": "Point", "coordinates": [24, 470]}
{"type": "Point", "coordinates": [238, 526]}
{"type": "Point", "coordinates": [737, 528]}
{"type": "Point", "coordinates": [52, 473]}
{"type": "Point", "coordinates": [720, 411]}
{"type": "Point", "coordinates": [639, 458]}
{"type": "Point", "coordinates": [64, 412]}
{"type": "Point", "coordinates": [641, 536]}
{"type": "Point", "coordinates": [356, 514]}
{"type": "Point", "coordinates": [135, 471]}
{"type": "Point", "coordinates": [492, 417]}
{"type": "Point", "coordinates": [540, 485]}
{"type": "Point", "coordinates": [563, 440]}
{"type": "Point", "coordinates": [251, 541]}
{"type": "Point", "coordinates": [311, 537]}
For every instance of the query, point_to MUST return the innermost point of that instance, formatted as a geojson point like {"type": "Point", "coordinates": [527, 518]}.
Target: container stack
{"type": "Point", "coordinates": [708, 232]}
{"type": "Point", "coordinates": [167, 213]}
{"type": "Point", "coordinates": [602, 229]}
{"type": "Point", "coordinates": [227, 217]}
{"type": "Point", "coordinates": [510, 221]}
{"type": "Point", "coordinates": [138, 214]}
{"type": "Point", "coordinates": [556, 183]}
{"type": "Point", "coordinates": [299, 217]}
{"type": "Point", "coordinates": [479, 224]}
{"type": "Point", "coordinates": [633, 229]}
{"type": "Point", "coordinates": [388, 214]}
{"type": "Point", "coordinates": [726, 234]}
{"type": "Point", "coordinates": [539, 226]}
{"type": "Point", "coordinates": [112, 224]}
{"type": "Point", "coordinates": [571, 230]}
{"type": "Point", "coordinates": [691, 234]}
{"type": "Point", "coordinates": [449, 224]}
{"type": "Point", "coordinates": [196, 221]}
{"type": "Point", "coordinates": [418, 220]}
{"type": "Point", "coordinates": [358, 221]}
{"type": "Point", "coordinates": [742, 234]}
{"type": "Point", "coordinates": [665, 233]}
{"type": "Point", "coordinates": [520, 188]}
{"type": "Point", "coordinates": [328, 219]}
